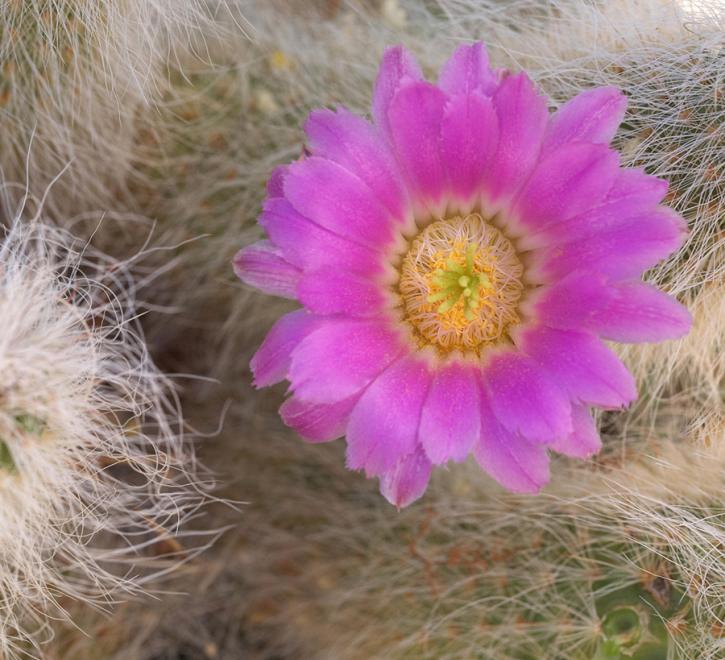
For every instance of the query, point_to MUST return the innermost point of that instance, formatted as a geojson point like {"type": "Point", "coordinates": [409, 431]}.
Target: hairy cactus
{"type": "Point", "coordinates": [73, 75]}
{"type": "Point", "coordinates": [96, 479]}
{"type": "Point", "coordinates": [622, 559]}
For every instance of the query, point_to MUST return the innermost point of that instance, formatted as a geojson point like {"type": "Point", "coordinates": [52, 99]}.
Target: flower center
{"type": "Point", "coordinates": [460, 283]}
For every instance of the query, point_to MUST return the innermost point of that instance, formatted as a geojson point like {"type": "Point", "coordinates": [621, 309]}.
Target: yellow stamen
{"type": "Point", "coordinates": [460, 284]}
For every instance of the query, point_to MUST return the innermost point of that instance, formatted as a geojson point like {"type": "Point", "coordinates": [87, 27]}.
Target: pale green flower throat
{"type": "Point", "coordinates": [456, 280]}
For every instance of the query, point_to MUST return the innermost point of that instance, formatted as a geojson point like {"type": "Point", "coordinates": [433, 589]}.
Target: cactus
{"type": "Point", "coordinates": [96, 478]}
{"type": "Point", "coordinates": [624, 561]}
{"type": "Point", "coordinates": [73, 75]}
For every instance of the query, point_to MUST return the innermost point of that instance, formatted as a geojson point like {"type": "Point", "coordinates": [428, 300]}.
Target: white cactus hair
{"type": "Point", "coordinates": [96, 476]}
{"type": "Point", "coordinates": [74, 74]}
{"type": "Point", "coordinates": [474, 569]}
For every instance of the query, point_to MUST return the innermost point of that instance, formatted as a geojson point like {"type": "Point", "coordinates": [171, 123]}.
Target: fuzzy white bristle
{"type": "Point", "coordinates": [74, 76]}
{"type": "Point", "coordinates": [96, 479]}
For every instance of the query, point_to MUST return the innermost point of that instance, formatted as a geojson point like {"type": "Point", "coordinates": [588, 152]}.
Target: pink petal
{"type": "Point", "coordinates": [581, 365]}
{"type": "Point", "coordinates": [450, 423]}
{"type": "Point", "coordinates": [318, 422]}
{"type": "Point", "coordinates": [627, 312]}
{"type": "Point", "coordinates": [415, 115]}
{"type": "Point", "coordinates": [592, 116]}
{"type": "Point", "coordinates": [263, 266]}
{"type": "Point", "coordinates": [309, 246]}
{"type": "Point", "coordinates": [468, 71]}
{"type": "Point", "coordinates": [571, 180]}
{"type": "Point", "coordinates": [271, 362]}
{"type": "Point", "coordinates": [335, 291]}
{"type": "Point", "coordinates": [469, 134]}
{"type": "Point", "coordinates": [275, 184]}
{"type": "Point", "coordinates": [621, 251]}
{"type": "Point", "coordinates": [522, 116]}
{"type": "Point", "coordinates": [340, 358]}
{"type": "Point", "coordinates": [407, 481]}
{"type": "Point", "coordinates": [396, 66]}
{"type": "Point", "coordinates": [641, 190]}
{"type": "Point", "coordinates": [384, 424]}
{"type": "Point", "coordinates": [524, 399]}
{"type": "Point", "coordinates": [584, 440]}
{"type": "Point", "coordinates": [354, 143]}
{"type": "Point", "coordinates": [517, 464]}
{"type": "Point", "coordinates": [641, 313]}
{"type": "Point", "coordinates": [632, 194]}
{"type": "Point", "coordinates": [336, 199]}
{"type": "Point", "coordinates": [573, 301]}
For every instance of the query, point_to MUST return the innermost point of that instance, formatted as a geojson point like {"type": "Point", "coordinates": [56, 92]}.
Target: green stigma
{"type": "Point", "coordinates": [458, 281]}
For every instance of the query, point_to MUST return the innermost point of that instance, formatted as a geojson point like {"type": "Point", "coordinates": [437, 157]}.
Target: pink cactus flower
{"type": "Point", "coordinates": [459, 260]}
